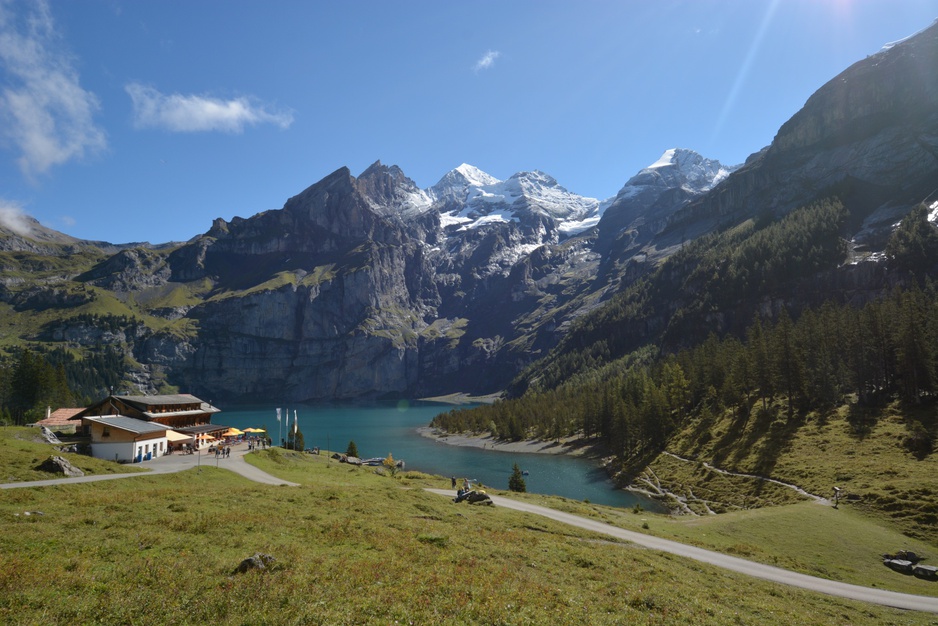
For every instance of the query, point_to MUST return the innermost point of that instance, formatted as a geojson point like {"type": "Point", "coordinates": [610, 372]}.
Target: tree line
{"type": "Point", "coordinates": [712, 282]}
{"type": "Point", "coordinates": [33, 379]}
{"type": "Point", "coordinates": [831, 354]}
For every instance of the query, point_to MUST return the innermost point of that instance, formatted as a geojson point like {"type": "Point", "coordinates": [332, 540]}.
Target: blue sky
{"type": "Point", "coordinates": [144, 120]}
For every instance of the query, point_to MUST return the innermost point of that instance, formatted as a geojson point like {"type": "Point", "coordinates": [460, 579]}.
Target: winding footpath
{"type": "Point", "coordinates": [796, 488]}
{"type": "Point", "coordinates": [735, 564]}
{"type": "Point", "coordinates": [237, 464]}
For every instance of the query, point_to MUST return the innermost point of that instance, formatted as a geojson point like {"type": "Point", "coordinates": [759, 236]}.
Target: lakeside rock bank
{"type": "Point", "coordinates": [573, 446]}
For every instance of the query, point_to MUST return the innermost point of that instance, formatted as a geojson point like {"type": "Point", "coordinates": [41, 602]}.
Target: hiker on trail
{"type": "Point", "coordinates": [453, 479]}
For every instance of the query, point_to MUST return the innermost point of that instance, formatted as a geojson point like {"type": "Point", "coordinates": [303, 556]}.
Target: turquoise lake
{"type": "Point", "coordinates": [378, 430]}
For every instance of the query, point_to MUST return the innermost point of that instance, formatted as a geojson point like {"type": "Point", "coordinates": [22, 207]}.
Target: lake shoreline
{"type": "Point", "coordinates": [571, 446]}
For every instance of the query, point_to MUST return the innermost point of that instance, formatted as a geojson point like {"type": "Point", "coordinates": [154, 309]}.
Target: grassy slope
{"type": "Point", "coordinates": [863, 454]}
{"type": "Point", "coordinates": [23, 449]}
{"type": "Point", "coordinates": [353, 547]}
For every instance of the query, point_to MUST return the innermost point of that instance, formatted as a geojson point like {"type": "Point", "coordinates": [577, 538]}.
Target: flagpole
{"type": "Point", "coordinates": [279, 427]}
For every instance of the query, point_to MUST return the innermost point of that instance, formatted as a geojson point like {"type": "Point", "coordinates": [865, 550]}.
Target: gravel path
{"type": "Point", "coordinates": [173, 463]}
{"type": "Point", "coordinates": [796, 488]}
{"type": "Point", "coordinates": [732, 563]}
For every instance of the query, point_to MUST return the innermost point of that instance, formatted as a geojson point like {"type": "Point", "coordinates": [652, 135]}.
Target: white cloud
{"type": "Point", "coordinates": [487, 60]}
{"type": "Point", "coordinates": [44, 112]}
{"type": "Point", "coordinates": [12, 217]}
{"type": "Point", "coordinates": [189, 113]}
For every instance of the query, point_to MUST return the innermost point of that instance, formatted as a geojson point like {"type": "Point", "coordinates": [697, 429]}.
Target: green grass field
{"type": "Point", "coordinates": [353, 546]}
{"type": "Point", "coordinates": [862, 452]}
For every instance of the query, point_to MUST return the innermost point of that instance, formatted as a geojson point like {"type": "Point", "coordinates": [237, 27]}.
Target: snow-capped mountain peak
{"type": "Point", "coordinates": [454, 187]}
{"type": "Point", "coordinates": [678, 167]}
{"type": "Point", "coordinates": [523, 195]}
{"type": "Point", "coordinates": [475, 176]}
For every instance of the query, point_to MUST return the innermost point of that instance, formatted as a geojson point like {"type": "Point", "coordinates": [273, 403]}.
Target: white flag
{"type": "Point", "coordinates": [294, 421]}
{"type": "Point", "coordinates": [278, 415]}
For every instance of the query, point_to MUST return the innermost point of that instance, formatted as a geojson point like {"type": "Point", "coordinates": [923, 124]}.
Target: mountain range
{"type": "Point", "coordinates": [369, 286]}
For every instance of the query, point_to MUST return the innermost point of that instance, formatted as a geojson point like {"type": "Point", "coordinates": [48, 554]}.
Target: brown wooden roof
{"type": "Point", "coordinates": [60, 417]}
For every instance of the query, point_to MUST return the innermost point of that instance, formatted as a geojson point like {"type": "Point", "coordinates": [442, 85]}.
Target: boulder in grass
{"type": "Point", "coordinates": [256, 561]}
{"type": "Point", "coordinates": [899, 565]}
{"type": "Point", "coordinates": [60, 465]}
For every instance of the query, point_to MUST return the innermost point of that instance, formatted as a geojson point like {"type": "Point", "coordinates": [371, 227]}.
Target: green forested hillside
{"type": "Point", "coordinates": [713, 284]}
{"type": "Point", "coordinates": [767, 379]}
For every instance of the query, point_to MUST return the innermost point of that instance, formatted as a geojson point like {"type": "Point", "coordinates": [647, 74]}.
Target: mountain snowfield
{"type": "Point", "coordinates": [678, 168]}
{"type": "Point", "coordinates": [469, 198]}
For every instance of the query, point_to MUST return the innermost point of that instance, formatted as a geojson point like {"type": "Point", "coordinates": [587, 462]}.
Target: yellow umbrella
{"type": "Point", "coordinates": [232, 432]}
{"type": "Point", "coordinates": [254, 430]}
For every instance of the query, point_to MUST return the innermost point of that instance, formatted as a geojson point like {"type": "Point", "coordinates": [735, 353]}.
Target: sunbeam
{"type": "Point", "coordinates": [744, 69]}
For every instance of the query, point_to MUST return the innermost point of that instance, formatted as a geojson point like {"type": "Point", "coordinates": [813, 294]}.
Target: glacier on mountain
{"type": "Point", "coordinates": [678, 168]}
{"type": "Point", "coordinates": [468, 198]}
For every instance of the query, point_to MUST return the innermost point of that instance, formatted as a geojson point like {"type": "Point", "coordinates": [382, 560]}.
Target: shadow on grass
{"type": "Point", "coordinates": [862, 419]}
{"type": "Point", "coordinates": [766, 438]}
{"type": "Point", "coordinates": [921, 423]}
{"type": "Point", "coordinates": [730, 441]}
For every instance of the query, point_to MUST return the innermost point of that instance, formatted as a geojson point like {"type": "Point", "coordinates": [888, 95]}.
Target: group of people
{"type": "Point", "coordinates": [466, 486]}
{"type": "Point", "coordinates": [222, 451]}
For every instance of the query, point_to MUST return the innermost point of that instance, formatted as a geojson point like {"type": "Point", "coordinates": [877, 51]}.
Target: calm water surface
{"type": "Point", "coordinates": [378, 430]}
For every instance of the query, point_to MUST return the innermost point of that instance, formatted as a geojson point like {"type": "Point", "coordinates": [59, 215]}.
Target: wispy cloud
{"type": "Point", "coordinates": [44, 112]}
{"type": "Point", "coordinates": [190, 113]}
{"type": "Point", "coordinates": [487, 60]}
{"type": "Point", "coordinates": [12, 217]}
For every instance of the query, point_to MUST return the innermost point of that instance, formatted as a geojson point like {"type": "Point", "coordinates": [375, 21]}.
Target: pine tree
{"type": "Point", "coordinates": [787, 360]}
{"type": "Point", "coordinates": [352, 449]}
{"type": "Point", "coordinates": [295, 440]}
{"type": "Point", "coordinates": [761, 371]}
{"type": "Point", "coordinates": [913, 247]}
{"type": "Point", "coordinates": [516, 481]}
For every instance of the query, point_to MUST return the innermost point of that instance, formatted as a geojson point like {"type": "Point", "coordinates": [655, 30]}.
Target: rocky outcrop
{"type": "Point", "coordinates": [257, 561]}
{"type": "Point", "coordinates": [129, 270]}
{"type": "Point", "coordinates": [60, 465]}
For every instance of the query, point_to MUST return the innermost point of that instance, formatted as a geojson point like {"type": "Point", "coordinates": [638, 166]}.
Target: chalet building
{"type": "Point", "coordinates": [178, 411]}
{"type": "Point", "coordinates": [182, 419]}
{"type": "Point", "coordinates": [126, 439]}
